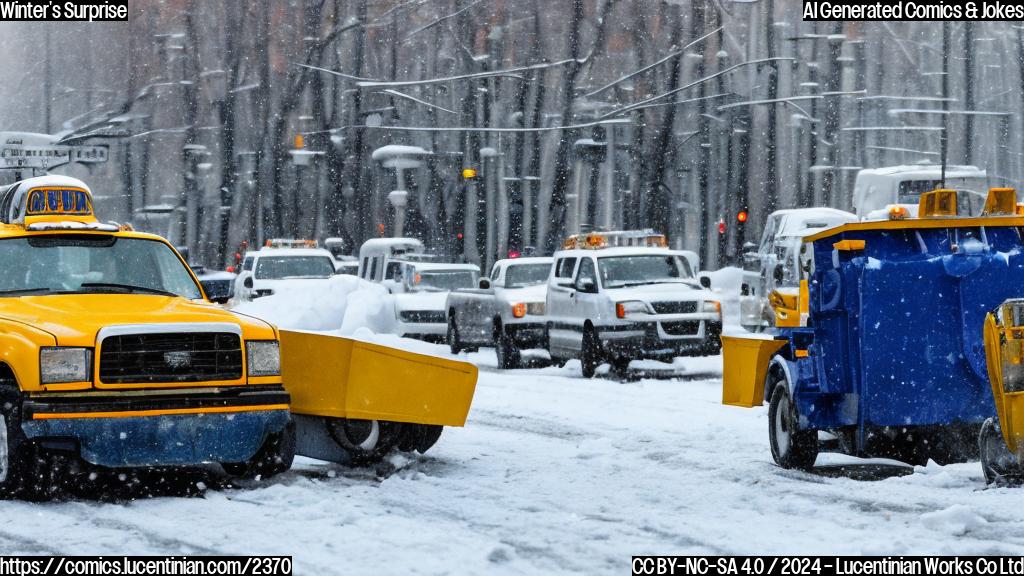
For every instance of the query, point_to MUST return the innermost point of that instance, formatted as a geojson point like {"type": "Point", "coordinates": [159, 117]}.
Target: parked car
{"type": "Point", "coordinates": [422, 292]}
{"type": "Point", "coordinates": [218, 285]}
{"type": "Point", "coordinates": [620, 296]}
{"type": "Point", "coordinates": [506, 311]}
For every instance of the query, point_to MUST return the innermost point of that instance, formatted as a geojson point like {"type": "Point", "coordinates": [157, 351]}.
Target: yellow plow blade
{"type": "Point", "coordinates": [745, 366]}
{"type": "Point", "coordinates": [345, 378]}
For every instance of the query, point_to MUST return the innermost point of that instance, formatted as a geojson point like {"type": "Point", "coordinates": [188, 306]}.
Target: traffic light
{"type": "Point", "coordinates": [721, 226]}
{"type": "Point", "coordinates": [468, 173]}
{"type": "Point", "coordinates": [741, 216]}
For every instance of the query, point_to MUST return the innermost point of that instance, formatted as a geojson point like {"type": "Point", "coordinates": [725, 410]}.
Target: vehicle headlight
{"type": "Point", "coordinates": [711, 306]}
{"type": "Point", "coordinates": [63, 364]}
{"type": "Point", "coordinates": [630, 307]}
{"type": "Point", "coordinates": [535, 308]}
{"type": "Point", "coordinates": [264, 357]}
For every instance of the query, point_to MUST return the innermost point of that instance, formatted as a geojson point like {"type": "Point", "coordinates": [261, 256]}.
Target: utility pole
{"type": "Point", "coordinates": [944, 138]}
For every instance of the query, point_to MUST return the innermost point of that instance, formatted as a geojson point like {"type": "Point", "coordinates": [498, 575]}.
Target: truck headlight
{"type": "Point", "coordinates": [630, 307]}
{"type": "Point", "coordinates": [63, 364]}
{"type": "Point", "coordinates": [264, 357]}
{"type": "Point", "coordinates": [535, 308]}
{"type": "Point", "coordinates": [712, 306]}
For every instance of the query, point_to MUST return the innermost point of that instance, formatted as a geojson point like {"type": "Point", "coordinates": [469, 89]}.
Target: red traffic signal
{"type": "Point", "coordinates": [459, 236]}
{"type": "Point", "coordinates": [721, 226]}
{"type": "Point", "coordinates": [741, 216]}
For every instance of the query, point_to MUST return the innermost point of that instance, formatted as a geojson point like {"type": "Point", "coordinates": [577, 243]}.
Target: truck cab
{"type": "Point", "coordinates": [878, 189]}
{"type": "Point", "coordinates": [268, 269]}
{"type": "Point", "coordinates": [775, 263]}
{"type": "Point", "coordinates": [380, 259]}
{"type": "Point", "coordinates": [112, 354]}
{"type": "Point", "coordinates": [506, 311]}
{"type": "Point", "coordinates": [620, 296]}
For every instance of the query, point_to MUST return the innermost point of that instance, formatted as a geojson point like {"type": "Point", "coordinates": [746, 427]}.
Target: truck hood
{"type": "Point", "coordinates": [421, 300]}
{"type": "Point", "coordinates": [74, 319]}
{"type": "Point", "coordinates": [534, 293]}
{"type": "Point", "coordinates": [656, 292]}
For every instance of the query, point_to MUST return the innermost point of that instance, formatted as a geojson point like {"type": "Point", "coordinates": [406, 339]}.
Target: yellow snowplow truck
{"type": "Point", "coordinates": [112, 357]}
{"type": "Point", "coordinates": [1001, 440]}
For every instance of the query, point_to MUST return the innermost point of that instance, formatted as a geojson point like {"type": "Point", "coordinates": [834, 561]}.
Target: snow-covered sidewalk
{"type": "Point", "coordinates": [552, 474]}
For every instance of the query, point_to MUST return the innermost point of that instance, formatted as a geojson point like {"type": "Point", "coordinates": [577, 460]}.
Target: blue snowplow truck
{"type": "Point", "coordinates": [881, 347]}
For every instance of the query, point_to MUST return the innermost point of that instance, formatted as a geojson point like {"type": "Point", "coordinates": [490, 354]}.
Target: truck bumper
{"type": "Point", "coordinates": [527, 334]}
{"type": "Point", "coordinates": [174, 429]}
{"type": "Point", "coordinates": [655, 340]}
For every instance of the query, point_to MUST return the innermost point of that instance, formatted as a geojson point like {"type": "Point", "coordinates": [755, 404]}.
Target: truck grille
{"type": "Point", "coordinates": [423, 316]}
{"type": "Point", "coordinates": [180, 357]}
{"type": "Point", "coordinates": [682, 328]}
{"type": "Point", "coordinates": [674, 307]}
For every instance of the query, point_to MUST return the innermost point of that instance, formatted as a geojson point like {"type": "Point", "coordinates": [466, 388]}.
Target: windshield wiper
{"type": "Point", "coordinates": [128, 287]}
{"type": "Point", "coordinates": [19, 291]}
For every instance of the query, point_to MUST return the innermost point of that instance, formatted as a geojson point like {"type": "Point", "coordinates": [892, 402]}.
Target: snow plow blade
{"type": "Point", "coordinates": [745, 366]}
{"type": "Point", "coordinates": [340, 377]}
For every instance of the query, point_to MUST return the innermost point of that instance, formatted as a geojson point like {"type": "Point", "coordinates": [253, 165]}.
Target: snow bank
{"type": "Point", "coordinates": [726, 283]}
{"type": "Point", "coordinates": [342, 304]}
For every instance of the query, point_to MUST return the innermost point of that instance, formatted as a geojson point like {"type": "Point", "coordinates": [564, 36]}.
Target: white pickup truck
{"type": "Point", "coordinates": [621, 296]}
{"type": "Point", "coordinates": [506, 311]}
{"type": "Point", "coordinates": [421, 290]}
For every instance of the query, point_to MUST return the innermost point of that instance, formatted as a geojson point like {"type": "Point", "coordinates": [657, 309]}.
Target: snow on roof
{"type": "Point", "coordinates": [801, 221]}
{"type": "Point", "coordinates": [388, 242]}
{"type": "Point", "coordinates": [396, 151]}
{"type": "Point", "coordinates": [54, 180]}
{"type": "Point", "coordinates": [440, 266]}
{"type": "Point", "coordinates": [265, 251]}
{"type": "Point", "coordinates": [525, 260]}
{"type": "Point", "coordinates": [926, 171]}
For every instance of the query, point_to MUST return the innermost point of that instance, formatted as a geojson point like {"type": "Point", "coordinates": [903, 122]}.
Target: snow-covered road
{"type": "Point", "coordinates": [552, 474]}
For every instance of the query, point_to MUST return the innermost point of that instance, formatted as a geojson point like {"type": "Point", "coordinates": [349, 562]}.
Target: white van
{"type": "Point", "coordinates": [380, 259]}
{"type": "Point", "coordinates": [876, 189]}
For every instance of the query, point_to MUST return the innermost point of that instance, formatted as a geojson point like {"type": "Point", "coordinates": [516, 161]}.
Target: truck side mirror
{"type": "Point", "coordinates": [705, 282]}
{"type": "Point", "coordinates": [247, 282]}
{"type": "Point", "coordinates": [485, 283]}
{"type": "Point", "coordinates": [779, 274]}
{"type": "Point", "coordinates": [745, 289]}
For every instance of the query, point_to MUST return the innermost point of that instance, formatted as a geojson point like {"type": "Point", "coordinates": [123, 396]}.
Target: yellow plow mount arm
{"type": "Point", "coordinates": [344, 378]}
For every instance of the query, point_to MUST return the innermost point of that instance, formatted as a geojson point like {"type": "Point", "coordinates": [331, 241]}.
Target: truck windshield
{"type": "Point", "coordinates": [66, 263]}
{"type": "Point", "coordinates": [443, 280]}
{"type": "Point", "coordinates": [620, 271]}
{"type": "Point", "coordinates": [522, 275]}
{"type": "Point", "coordinates": [279, 267]}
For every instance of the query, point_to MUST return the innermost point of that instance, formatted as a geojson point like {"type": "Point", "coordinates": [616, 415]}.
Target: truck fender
{"type": "Point", "coordinates": [777, 366]}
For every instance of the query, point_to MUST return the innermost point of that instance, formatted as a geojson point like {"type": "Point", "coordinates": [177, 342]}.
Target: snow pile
{"type": "Point", "coordinates": [956, 520]}
{"type": "Point", "coordinates": [726, 283]}
{"type": "Point", "coordinates": [342, 304]}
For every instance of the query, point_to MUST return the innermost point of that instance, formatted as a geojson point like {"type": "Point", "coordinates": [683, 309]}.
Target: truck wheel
{"type": "Point", "coordinates": [996, 459]}
{"type": "Point", "coordinates": [590, 354]}
{"type": "Point", "coordinates": [274, 457]}
{"type": "Point", "coordinates": [16, 452]}
{"type": "Point", "coordinates": [791, 447]}
{"type": "Point", "coordinates": [366, 441]}
{"type": "Point", "coordinates": [418, 437]}
{"type": "Point", "coordinates": [505, 347]}
{"type": "Point", "coordinates": [453, 336]}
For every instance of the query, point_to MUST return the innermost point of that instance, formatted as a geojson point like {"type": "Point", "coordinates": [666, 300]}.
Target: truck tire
{"type": "Point", "coordinates": [509, 357]}
{"type": "Point", "coordinates": [791, 447]}
{"type": "Point", "coordinates": [996, 459]}
{"type": "Point", "coordinates": [453, 336]}
{"type": "Point", "coordinates": [16, 451]}
{"type": "Point", "coordinates": [274, 457]}
{"type": "Point", "coordinates": [366, 441]}
{"type": "Point", "coordinates": [419, 437]}
{"type": "Point", "coordinates": [590, 352]}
